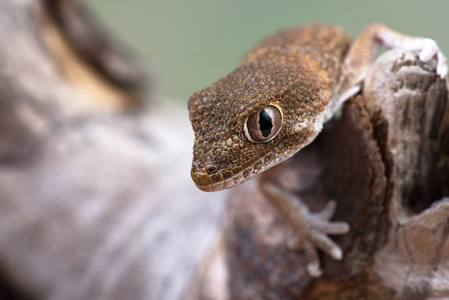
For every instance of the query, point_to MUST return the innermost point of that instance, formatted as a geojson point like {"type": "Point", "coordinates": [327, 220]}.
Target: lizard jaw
{"type": "Point", "coordinates": [227, 183]}
{"type": "Point", "coordinates": [244, 175]}
{"type": "Point", "coordinates": [218, 186]}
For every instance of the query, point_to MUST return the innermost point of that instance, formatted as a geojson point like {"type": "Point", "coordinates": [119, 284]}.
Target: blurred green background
{"type": "Point", "coordinates": [190, 44]}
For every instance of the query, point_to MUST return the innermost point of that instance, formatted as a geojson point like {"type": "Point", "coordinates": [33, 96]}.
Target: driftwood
{"type": "Point", "coordinates": [96, 201]}
{"type": "Point", "coordinates": [386, 163]}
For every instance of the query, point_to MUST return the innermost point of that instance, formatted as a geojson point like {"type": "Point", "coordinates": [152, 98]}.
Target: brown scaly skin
{"type": "Point", "coordinates": [307, 72]}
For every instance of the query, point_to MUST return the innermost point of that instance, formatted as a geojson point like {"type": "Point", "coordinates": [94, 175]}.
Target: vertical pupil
{"type": "Point", "coordinates": [265, 124]}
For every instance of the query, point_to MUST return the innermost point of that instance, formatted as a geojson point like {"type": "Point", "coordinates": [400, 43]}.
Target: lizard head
{"type": "Point", "coordinates": [256, 117]}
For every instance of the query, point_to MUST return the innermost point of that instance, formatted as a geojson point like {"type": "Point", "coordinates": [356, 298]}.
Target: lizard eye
{"type": "Point", "coordinates": [264, 125]}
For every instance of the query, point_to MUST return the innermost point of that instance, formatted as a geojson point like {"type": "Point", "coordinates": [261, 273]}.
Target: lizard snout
{"type": "Point", "coordinates": [207, 178]}
{"type": "Point", "coordinates": [204, 176]}
{"type": "Point", "coordinates": [203, 181]}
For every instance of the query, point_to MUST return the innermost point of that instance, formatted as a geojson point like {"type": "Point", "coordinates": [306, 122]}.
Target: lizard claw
{"type": "Point", "coordinates": [442, 65]}
{"type": "Point", "coordinates": [314, 269]}
{"type": "Point", "coordinates": [321, 219]}
{"type": "Point", "coordinates": [428, 49]}
{"type": "Point", "coordinates": [312, 234]}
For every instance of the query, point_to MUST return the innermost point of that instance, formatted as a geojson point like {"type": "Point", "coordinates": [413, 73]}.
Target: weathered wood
{"type": "Point", "coordinates": [92, 43]}
{"type": "Point", "coordinates": [385, 162]}
{"type": "Point", "coordinates": [96, 201]}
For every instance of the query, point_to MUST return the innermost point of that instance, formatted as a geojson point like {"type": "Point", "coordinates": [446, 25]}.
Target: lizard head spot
{"type": "Point", "coordinates": [264, 125]}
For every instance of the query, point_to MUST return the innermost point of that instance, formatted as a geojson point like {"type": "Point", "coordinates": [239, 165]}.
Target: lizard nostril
{"type": "Point", "coordinates": [211, 169]}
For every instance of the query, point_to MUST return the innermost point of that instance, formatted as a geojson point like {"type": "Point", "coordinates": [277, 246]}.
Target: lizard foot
{"type": "Point", "coordinates": [312, 233]}
{"type": "Point", "coordinates": [380, 35]}
{"type": "Point", "coordinates": [428, 49]}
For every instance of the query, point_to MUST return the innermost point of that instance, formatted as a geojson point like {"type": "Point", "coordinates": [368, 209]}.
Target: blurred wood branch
{"type": "Point", "coordinates": [93, 45]}
{"type": "Point", "coordinates": [96, 199]}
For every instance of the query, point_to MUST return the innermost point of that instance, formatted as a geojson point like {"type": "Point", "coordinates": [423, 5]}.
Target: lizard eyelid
{"type": "Point", "coordinates": [264, 125]}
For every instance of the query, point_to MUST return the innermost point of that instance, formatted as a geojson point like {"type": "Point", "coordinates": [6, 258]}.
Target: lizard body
{"type": "Point", "coordinates": [275, 103]}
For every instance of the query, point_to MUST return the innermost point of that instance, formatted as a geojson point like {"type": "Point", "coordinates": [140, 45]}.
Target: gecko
{"type": "Point", "coordinates": [275, 103]}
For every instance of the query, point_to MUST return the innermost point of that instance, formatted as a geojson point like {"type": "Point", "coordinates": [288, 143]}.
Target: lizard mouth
{"type": "Point", "coordinates": [223, 184]}
{"type": "Point", "coordinates": [205, 183]}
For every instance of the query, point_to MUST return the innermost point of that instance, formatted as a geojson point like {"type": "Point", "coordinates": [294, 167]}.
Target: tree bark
{"type": "Point", "coordinates": [385, 162]}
